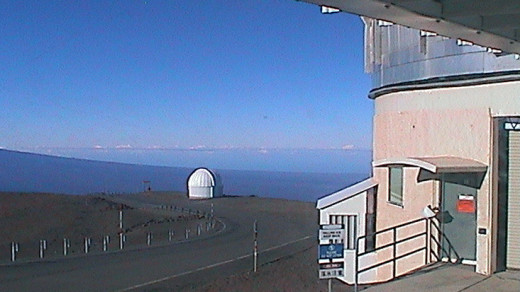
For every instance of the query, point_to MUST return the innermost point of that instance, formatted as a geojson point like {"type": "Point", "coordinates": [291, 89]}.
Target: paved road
{"type": "Point", "coordinates": [283, 229]}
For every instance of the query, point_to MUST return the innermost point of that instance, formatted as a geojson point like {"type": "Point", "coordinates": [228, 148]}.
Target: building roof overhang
{"type": "Point", "coordinates": [437, 165]}
{"type": "Point", "coordinates": [345, 193]}
{"type": "Point", "coordinates": [494, 24]}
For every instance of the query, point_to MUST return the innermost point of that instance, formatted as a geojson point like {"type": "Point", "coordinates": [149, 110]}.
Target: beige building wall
{"type": "Point", "coordinates": [456, 121]}
{"type": "Point", "coordinates": [420, 133]}
{"type": "Point", "coordinates": [500, 98]}
{"type": "Point", "coordinates": [416, 196]}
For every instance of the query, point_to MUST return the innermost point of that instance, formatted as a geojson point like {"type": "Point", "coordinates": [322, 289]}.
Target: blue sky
{"type": "Point", "coordinates": [260, 74]}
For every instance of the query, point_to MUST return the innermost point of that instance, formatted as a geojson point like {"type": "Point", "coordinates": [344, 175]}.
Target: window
{"type": "Point", "coordinates": [370, 240]}
{"type": "Point", "coordinates": [423, 45]}
{"type": "Point", "coordinates": [350, 223]}
{"type": "Point", "coordinates": [370, 220]}
{"type": "Point", "coordinates": [395, 194]}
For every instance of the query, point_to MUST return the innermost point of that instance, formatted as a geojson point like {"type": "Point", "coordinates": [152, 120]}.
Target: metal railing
{"type": "Point", "coordinates": [451, 253]}
{"type": "Point", "coordinates": [430, 239]}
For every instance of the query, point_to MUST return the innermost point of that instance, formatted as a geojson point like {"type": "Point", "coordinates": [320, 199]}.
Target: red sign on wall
{"type": "Point", "coordinates": [466, 204]}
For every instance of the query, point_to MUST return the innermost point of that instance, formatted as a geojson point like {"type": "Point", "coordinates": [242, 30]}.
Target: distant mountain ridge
{"type": "Point", "coordinates": [29, 172]}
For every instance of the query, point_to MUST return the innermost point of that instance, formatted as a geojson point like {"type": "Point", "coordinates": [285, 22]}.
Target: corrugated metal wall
{"type": "Point", "coordinates": [513, 216]}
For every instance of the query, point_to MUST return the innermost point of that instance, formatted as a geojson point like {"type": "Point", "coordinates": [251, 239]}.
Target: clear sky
{"type": "Point", "coordinates": [181, 74]}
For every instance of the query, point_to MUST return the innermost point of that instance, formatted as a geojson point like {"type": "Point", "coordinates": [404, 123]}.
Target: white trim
{"type": "Point", "coordinates": [438, 164]}
{"type": "Point", "coordinates": [346, 193]}
{"type": "Point", "coordinates": [446, 260]}
{"type": "Point", "coordinates": [469, 262]}
{"type": "Point", "coordinates": [510, 126]}
{"type": "Point", "coordinates": [405, 161]}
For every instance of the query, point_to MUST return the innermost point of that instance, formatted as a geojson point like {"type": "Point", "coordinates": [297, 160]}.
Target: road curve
{"type": "Point", "coordinates": [284, 228]}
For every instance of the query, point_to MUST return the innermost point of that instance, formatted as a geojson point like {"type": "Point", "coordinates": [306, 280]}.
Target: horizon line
{"type": "Point", "coordinates": [192, 148]}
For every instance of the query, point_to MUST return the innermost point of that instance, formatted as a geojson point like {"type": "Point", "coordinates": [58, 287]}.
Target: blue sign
{"type": "Point", "coordinates": [331, 251]}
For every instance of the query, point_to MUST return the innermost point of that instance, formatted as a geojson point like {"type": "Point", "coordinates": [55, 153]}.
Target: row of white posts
{"type": "Point", "coordinates": [87, 243]}
{"type": "Point", "coordinates": [185, 210]}
{"type": "Point", "coordinates": [15, 247]}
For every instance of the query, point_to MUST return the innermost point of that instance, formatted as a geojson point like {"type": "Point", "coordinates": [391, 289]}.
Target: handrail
{"type": "Point", "coordinates": [439, 244]}
{"type": "Point", "coordinates": [391, 244]}
{"type": "Point", "coordinates": [394, 243]}
{"type": "Point", "coordinates": [429, 239]}
{"type": "Point", "coordinates": [393, 227]}
{"type": "Point", "coordinates": [390, 260]}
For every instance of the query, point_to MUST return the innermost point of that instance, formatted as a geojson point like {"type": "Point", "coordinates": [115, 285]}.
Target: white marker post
{"type": "Point", "coordinates": [121, 218]}
{"type": "Point", "coordinates": [149, 239]}
{"type": "Point", "coordinates": [106, 241]}
{"type": "Point", "coordinates": [66, 245]}
{"type": "Point", "coordinates": [14, 251]}
{"type": "Point", "coordinates": [255, 252]}
{"type": "Point", "coordinates": [121, 235]}
{"type": "Point", "coordinates": [121, 240]}
{"type": "Point", "coordinates": [43, 247]}
{"type": "Point", "coordinates": [87, 244]}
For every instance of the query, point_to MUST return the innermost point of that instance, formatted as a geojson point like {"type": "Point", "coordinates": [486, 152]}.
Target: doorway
{"type": "Point", "coordinates": [459, 220]}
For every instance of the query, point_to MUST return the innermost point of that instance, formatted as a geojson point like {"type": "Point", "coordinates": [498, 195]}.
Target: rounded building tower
{"type": "Point", "coordinates": [204, 184]}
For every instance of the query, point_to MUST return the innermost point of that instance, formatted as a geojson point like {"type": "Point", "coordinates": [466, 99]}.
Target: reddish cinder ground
{"type": "Point", "coordinates": [29, 218]}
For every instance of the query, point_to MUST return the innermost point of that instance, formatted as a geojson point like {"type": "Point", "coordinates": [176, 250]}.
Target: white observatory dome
{"type": "Point", "coordinates": [204, 184]}
{"type": "Point", "coordinates": [201, 177]}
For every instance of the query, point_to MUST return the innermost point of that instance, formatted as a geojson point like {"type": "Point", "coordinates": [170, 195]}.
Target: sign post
{"type": "Point", "coordinates": [330, 252]}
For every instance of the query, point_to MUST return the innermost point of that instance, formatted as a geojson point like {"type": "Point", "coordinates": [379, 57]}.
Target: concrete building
{"type": "Point", "coordinates": [446, 152]}
{"type": "Point", "coordinates": [204, 183]}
